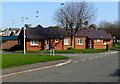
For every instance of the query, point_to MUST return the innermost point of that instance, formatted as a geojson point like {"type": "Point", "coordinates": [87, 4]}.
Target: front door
{"type": "Point", "coordinates": [47, 44]}
{"type": "Point", "coordinates": [87, 43]}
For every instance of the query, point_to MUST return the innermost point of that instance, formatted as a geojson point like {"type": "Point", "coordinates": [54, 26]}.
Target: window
{"type": "Point", "coordinates": [66, 41]}
{"type": "Point", "coordinates": [56, 40]}
{"type": "Point", "coordinates": [98, 40]}
{"type": "Point", "coordinates": [80, 41]}
{"type": "Point", "coordinates": [34, 42]}
{"type": "Point", "coordinates": [105, 43]}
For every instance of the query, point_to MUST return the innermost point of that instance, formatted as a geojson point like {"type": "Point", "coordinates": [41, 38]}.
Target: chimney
{"type": "Point", "coordinates": [27, 25]}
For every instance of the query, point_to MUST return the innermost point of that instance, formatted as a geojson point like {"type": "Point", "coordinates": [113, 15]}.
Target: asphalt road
{"type": "Point", "coordinates": [83, 68]}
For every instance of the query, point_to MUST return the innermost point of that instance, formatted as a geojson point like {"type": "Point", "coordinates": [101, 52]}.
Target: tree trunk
{"type": "Point", "coordinates": [72, 42]}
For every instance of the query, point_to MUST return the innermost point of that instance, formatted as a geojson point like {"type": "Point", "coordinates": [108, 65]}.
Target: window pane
{"type": "Point", "coordinates": [66, 41]}
{"type": "Point", "coordinates": [56, 40]}
{"type": "Point", "coordinates": [105, 42]}
{"type": "Point", "coordinates": [98, 40]}
{"type": "Point", "coordinates": [34, 42]}
{"type": "Point", "coordinates": [80, 41]}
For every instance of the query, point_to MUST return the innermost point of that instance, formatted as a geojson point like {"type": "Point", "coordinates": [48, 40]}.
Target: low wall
{"type": "Point", "coordinates": [9, 43]}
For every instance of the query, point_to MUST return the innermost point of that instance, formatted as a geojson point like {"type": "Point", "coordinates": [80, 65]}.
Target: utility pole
{"type": "Point", "coordinates": [24, 34]}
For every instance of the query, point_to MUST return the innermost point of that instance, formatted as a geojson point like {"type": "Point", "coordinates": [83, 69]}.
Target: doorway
{"type": "Point", "coordinates": [47, 44]}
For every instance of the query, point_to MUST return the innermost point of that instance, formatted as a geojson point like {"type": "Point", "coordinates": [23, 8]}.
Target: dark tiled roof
{"type": "Point", "coordinates": [44, 33]}
{"type": "Point", "coordinates": [54, 33]}
{"type": "Point", "coordinates": [94, 34]}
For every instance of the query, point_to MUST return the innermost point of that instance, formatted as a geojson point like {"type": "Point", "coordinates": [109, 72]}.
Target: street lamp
{"type": "Point", "coordinates": [24, 33]}
{"type": "Point", "coordinates": [24, 39]}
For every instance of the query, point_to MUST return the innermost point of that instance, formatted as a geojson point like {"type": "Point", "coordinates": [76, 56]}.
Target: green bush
{"type": "Point", "coordinates": [69, 48]}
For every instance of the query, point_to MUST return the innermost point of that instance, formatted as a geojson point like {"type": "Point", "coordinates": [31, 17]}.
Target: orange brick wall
{"type": "Point", "coordinates": [39, 47]}
{"type": "Point", "coordinates": [100, 45]}
{"type": "Point", "coordinates": [58, 46]}
{"type": "Point", "coordinates": [42, 45]}
{"type": "Point", "coordinates": [110, 43]}
{"type": "Point", "coordinates": [8, 44]}
{"type": "Point", "coordinates": [76, 46]}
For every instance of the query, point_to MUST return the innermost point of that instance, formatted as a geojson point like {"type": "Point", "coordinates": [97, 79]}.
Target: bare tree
{"type": "Point", "coordinates": [112, 28]}
{"type": "Point", "coordinates": [104, 24]}
{"type": "Point", "coordinates": [73, 16]}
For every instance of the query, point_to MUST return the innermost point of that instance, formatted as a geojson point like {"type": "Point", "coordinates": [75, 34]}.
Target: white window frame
{"type": "Point", "coordinates": [98, 40]}
{"type": "Point", "coordinates": [56, 40]}
{"type": "Point", "coordinates": [105, 43]}
{"type": "Point", "coordinates": [32, 43]}
{"type": "Point", "coordinates": [78, 42]}
{"type": "Point", "coordinates": [66, 41]}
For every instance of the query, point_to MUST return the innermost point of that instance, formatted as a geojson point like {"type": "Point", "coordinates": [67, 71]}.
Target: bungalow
{"type": "Point", "coordinates": [39, 38]}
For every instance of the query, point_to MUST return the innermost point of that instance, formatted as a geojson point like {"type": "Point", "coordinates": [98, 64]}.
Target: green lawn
{"type": "Point", "coordinates": [72, 51]}
{"type": "Point", "coordinates": [0, 61]}
{"type": "Point", "coordinates": [81, 51]}
{"type": "Point", "coordinates": [116, 46]}
{"type": "Point", "coordinates": [21, 51]}
{"type": "Point", "coordinates": [11, 60]}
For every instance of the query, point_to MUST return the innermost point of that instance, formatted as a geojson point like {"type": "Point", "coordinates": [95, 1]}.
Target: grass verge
{"type": "Point", "coordinates": [21, 51]}
{"type": "Point", "coordinates": [11, 60]}
{"type": "Point", "coordinates": [81, 51]}
{"type": "Point", "coordinates": [116, 46]}
{"type": "Point", "coordinates": [71, 51]}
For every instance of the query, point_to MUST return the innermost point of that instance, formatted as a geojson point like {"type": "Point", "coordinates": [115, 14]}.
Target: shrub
{"type": "Point", "coordinates": [15, 47]}
{"type": "Point", "coordinates": [69, 48]}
